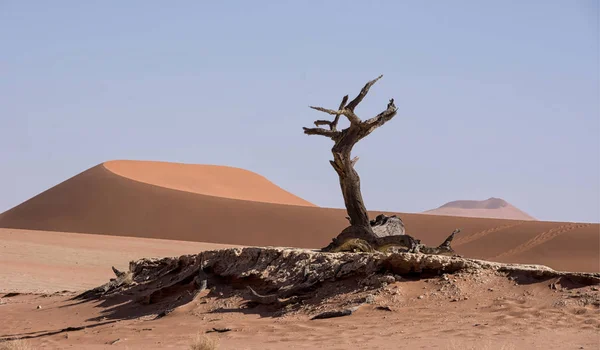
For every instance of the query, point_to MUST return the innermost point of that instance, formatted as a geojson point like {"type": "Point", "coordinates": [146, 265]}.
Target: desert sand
{"type": "Point", "coordinates": [465, 312]}
{"type": "Point", "coordinates": [210, 180]}
{"type": "Point", "coordinates": [493, 208]}
{"type": "Point", "coordinates": [485, 311]}
{"type": "Point", "coordinates": [66, 239]}
{"type": "Point", "coordinates": [49, 262]}
{"type": "Point", "coordinates": [101, 201]}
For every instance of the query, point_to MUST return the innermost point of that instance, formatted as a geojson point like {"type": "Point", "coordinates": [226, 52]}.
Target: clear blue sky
{"type": "Point", "coordinates": [496, 98]}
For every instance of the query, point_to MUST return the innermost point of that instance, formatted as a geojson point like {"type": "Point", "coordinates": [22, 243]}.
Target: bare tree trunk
{"type": "Point", "coordinates": [350, 184]}
{"type": "Point", "coordinates": [343, 163]}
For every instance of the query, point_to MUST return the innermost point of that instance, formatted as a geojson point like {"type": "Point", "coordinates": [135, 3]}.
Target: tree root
{"type": "Point", "coordinates": [338, 313]}
{"type": "Point", "coordinates": [353, 239]}
{"type": "Point", "coordinates": [271, 299]}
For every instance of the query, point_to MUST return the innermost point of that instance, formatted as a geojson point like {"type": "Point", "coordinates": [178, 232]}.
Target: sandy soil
{"type": "Point", "coordinates": [463, 312]}
{"type": "Point", "coordinates": [100, 201]}
{"type": "Point", "coordinates": [47, 262]}
{"type": "Point", "coordinates": [484, 311]}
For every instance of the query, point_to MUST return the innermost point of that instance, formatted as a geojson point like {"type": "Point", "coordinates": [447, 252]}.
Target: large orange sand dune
{"type": "Point", "coordinates": [158, 200]}
{"type": "Point", "coordinates": [210, 180]}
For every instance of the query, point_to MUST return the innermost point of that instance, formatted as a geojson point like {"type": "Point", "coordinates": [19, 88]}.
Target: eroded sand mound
{"type": "Point", "coordinates": [288, 272]}
{"type": "Point", "coordinates": [306, 299]}
{"type": "Point", "coordinates": [495, 208]}
{"type": "Point", "coordinates": [100, 201]}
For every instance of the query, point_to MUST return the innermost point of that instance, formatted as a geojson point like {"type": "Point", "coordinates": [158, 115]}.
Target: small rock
{"type": "Point", "coordinates": [113, 342]}
{"type": "Point", "coordinates": [39, 307]}
{"type": "Point", "coordinates": [370, 299]}
{"type": "Point", "coordinates": [491, 289]}
{"type": "Point", "coordinates": [219, 330]}
{"type": "Point", "coordinates": [595, 289]}
{"type": "Point", "coordinates": [421, 297]}
{"type": "Point", "coordinates": [384, 308]}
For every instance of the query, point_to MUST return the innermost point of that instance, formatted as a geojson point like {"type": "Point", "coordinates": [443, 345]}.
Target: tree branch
{"type": "Point", "coordinates": [362, 94]}
{"type": "Point", "coordinates": [353, 118]}
{"type": "Point", "coordinates": [323, 122]}
{"type": "Point", "coordinates": [326, 110]}
{"type": "Point", "coordinates": [323, 132]}
{"type": "Point", "coordinates": [333, 124]}
{"type": "Point", "coordinates": [382, 117]}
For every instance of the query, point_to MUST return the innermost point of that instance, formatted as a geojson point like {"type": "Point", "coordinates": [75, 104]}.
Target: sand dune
{"type": "Point", "coordinates": [494, 208]}
{"type": "Point", "coordinates": [210, 180]}
{"type": "Point", "coordinates": [102, 201]}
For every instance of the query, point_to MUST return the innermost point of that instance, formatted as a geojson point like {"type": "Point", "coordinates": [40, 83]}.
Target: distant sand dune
{"type": "Point", "coordinates": [156, 200]}
{"type": "Point", "coordinates": [495, 208]}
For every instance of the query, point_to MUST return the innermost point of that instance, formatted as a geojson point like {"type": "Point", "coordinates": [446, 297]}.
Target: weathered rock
{"type": "Point", "coordinates": [285, 272]}
{"type": "Point", "coordinates": [338, 313]}
{"type": "Point", "coordinates": [378, 280]}
{"type": "Point", "coordinates": [384, 226]}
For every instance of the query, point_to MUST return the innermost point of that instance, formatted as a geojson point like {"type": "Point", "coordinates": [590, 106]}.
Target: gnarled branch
{"type": "Point", "coordinates": [323, 122]}
{"type": "Point", "coordinates": [333, 124]}
{"type": "Point", "coordinates": [323, 132]}
{"type": "Point", "coordinates": [362, 94]}
{"type": "Point", "coordinates": [353, 118]}
{"type": "Point", "coordinates": [326, 110]}
{"type": "Point", "coordinates": [382, 117]}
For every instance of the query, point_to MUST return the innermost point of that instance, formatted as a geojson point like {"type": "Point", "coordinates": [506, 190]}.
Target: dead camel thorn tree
{"type": "Point", "coordinates": [378, 233]}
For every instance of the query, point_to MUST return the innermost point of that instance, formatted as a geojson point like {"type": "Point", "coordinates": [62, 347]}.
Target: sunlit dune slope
{"type": "Point", "coordinates": [495, 208]}
{"type": "Point", "coordinates": [210, 180]}
{"type": "Point", "coordinates": [100, 201]}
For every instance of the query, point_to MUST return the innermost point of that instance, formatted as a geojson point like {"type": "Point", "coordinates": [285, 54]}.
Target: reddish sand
{"type": "Point", "coordinates": [210, 180]}
{"type": "Point", "coordinates": [47, 262]}
{"type": "Point", "coordinates": [481, 311]}
{"type": "Point", "coordinates": [494, 208]}
{"type": "Point", "coordinates": [101, 202]}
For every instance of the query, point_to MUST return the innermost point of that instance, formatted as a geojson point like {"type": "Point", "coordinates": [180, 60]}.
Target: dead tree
{"type": "Point", "coordinates": [361, 227]}
{"type": "Point", "coordinates": [344, 140]}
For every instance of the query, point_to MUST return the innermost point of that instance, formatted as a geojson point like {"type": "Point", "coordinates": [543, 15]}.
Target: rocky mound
{"type": "Point", "coordinates": [293, 279]}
